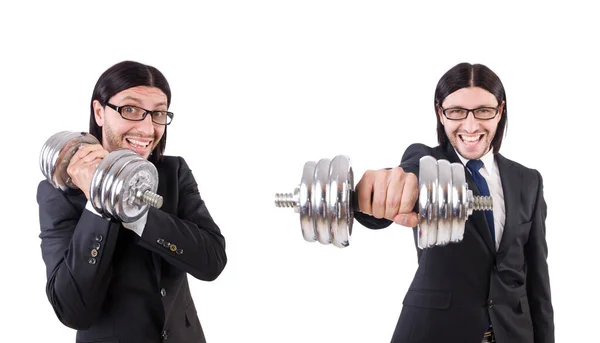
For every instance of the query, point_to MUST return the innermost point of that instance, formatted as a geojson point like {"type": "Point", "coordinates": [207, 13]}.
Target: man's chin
{"type": "Point", "coordinates": [469, 154]}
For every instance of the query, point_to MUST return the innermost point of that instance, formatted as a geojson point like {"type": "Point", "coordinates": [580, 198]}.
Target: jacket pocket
{"type": "Point", "coordinates": [428, 299]}
{"type": "Point", "coordinates": [191, 316]}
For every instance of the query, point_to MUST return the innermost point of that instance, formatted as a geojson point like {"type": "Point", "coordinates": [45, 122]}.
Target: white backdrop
{"type": "Point", "coordinates": [261, 87]}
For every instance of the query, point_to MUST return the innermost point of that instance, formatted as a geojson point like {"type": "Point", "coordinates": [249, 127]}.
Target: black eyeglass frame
{"type": "Point", "coordinates": [496, 109]}
{"type": "Point", "coordinates": [170, 115]}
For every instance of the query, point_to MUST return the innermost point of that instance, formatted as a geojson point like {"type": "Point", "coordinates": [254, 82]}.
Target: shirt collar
{"type": "Point", "coordinates": [487, 159]}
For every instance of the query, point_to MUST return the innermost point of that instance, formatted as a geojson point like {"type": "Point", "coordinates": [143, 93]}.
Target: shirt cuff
{"type": "Point", "coordinates": [138, 225]}
{"type": "Point", "coordinates": [89, 207]}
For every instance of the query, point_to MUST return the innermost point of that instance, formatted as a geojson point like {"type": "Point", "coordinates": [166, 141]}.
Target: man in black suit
{"type": "Point", "coordinates": [127, 282]}
{"type": "Point", "coordinates": [494, 284]}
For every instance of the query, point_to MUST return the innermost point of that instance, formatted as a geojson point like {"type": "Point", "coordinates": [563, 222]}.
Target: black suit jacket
{"type": "Point", "coordinates": [114, 286]}
{"type": "Point", "coordinates": [459, 288]}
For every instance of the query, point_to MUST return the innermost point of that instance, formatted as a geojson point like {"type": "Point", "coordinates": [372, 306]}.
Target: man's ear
{"type": "Point", "coordinates": [440, 114]}
{"type": "Point", "coordinates": [501, 110]}
{"type": "Point", "coordinates": [98, 112]}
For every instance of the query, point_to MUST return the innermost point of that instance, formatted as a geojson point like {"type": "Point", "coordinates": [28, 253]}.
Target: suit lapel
{"type": "Point", "coordinates": [477, 218]}
{"type": "Point", "coordinates": [511, 187]}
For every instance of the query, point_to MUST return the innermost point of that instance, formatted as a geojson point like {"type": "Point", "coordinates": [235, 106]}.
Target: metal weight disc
{"type": "Point", "coordinates": [341, 216]}
{"type": "Point", "coordinates": [120, 173]}
{"type": "Point", "coordinates": [49, 156]}
{"type": "Point", "coordinates": [444, 222]}
{"type": "Point", "coordinates": [459, 211]}
{"type": "Point", "coordinates": [56, 155]}
{"type": "Point", "coordinates": [305, 206]}
{"type": "Point", "coordinates": [96, 183]}
{"type": "Point", "coordinates": [319, 201]}
{"type": "Point", "coordinates": [136, 177]}
{"type": "Point", "coordinates": [428, 173]}
{"type": "Point", "coordinates": [103, 173]}
{"type": "Point", "coordinates": [108, 177]}
{"type": "Point", "coordinates": [98, 190]}
{"type": "Point", "coordinates": [123, 175]}
{"type": "Point", "coordinates": [122, 158]}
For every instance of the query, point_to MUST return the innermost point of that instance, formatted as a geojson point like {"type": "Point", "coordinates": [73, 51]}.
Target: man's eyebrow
{"type": "Point", "coordinates": [459, 106]}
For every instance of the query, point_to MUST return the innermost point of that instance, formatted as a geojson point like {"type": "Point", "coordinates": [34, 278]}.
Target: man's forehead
{"type": "Point", "coordinates": [143, 95]}
{"type": "Point", "coordinates": [470, 97]}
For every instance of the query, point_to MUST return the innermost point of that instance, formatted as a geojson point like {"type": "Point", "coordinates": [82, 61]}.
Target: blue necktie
{"type": "Point", "coordinates": [474, 166]}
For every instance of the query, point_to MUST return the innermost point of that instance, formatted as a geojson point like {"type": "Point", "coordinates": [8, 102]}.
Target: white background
{"type": "Point", "coordinates": [261, 87]}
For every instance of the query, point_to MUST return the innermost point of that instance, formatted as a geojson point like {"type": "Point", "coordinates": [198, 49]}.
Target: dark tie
{"type": "Point", "coordinates": [474, 166]}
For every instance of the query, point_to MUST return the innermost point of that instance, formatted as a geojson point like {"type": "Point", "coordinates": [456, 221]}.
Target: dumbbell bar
{"type": "Point", "coordinates": [326, 202]}
{"type": "Point", "coordinates": [124, 183]}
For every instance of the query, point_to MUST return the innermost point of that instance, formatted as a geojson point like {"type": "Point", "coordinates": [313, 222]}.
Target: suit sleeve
{"type": "Point", "coordinates": [77, 248]}
{"type": "Point", "coordinates": [538, 280]}
{"type": "Point", "coordinates": [190, 240]}
{"type": "Point", "coordinates": [410, 164]}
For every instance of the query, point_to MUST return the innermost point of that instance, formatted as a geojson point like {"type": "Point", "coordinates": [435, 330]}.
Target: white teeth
{"type": "Point", "coordinates": [137, 143]}
{"type": "Point", "coordinates": [470, 139]}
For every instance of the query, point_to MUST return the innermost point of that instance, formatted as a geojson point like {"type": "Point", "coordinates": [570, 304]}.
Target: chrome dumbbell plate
{"type": "Point", "coordinates": [139, 177]}
{"type": "Point", "coordinates": [323, 200]}
{"type": "Point", "coordinates": [341, 212]}
{"type": "Point", "coordinates": [56, 154]}
{"type": "Point", "coordinates": [119, 184]}
{"type": "Point", "coordinates": [445, 202]}
{"type": "Point", "coordinates": [442, 190]}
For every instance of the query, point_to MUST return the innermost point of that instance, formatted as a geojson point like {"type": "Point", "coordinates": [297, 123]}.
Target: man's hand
{"type": "Point", "coordinates": [389, 194]}
{"type": "Point", "coordinates": [83, 165]}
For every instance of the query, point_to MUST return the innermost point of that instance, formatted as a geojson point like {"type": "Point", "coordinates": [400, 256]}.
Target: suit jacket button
{"type": "Point", "coordinates": [180, 252]}
{"type": "Point", "coordinates": [164, 335]}
{"type": "Point", "coordinates": [166, 244]}
{"type": "Point", "coordinates": [96, 245]}
{"type": "Point", "coordinates": [92, 260]}
{"type": "Point", "coordinates": [173, 247]}
{"type": "Point", "coordinates": [98, 238]}
{"type": "Point", "coordinates": [490, 303]}
{"type": "Point", "coordinates": [163, 292]}
{"type": "Point", "coordinates": [160, 241]}
{"type": "Point", "coordinates": [94, 252]}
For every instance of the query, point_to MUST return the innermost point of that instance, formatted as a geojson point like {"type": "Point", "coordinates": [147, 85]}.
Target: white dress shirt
{"type": "Point", "coordinates": [491, 174]}
{"type": "Point", "coordinates": [136, 226]}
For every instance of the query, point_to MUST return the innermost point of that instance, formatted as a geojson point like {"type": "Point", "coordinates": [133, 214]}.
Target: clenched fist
{"type": "Point", "coordinates": [83, 165]}
{"type": "Point", "coordinates": [390, 194]}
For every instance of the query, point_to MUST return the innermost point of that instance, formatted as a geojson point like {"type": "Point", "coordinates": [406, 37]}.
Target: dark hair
{"type": "Point", "coordinates": [122, 76]}
{"type": "Point", "coordinates": [470, 75]}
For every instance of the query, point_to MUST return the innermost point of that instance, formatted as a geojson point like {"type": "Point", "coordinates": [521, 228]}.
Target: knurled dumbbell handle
{"type": "Point", "coordinates": [152, 199]}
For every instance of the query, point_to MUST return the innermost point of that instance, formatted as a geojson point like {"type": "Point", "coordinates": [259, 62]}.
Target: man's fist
{"type": "Point", "coordinates": [390, 194]}
{"type": "Point", "coordinates": [83, 165]}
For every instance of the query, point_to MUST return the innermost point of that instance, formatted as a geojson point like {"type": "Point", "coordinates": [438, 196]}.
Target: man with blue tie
{"type": "Point", "coordinates": [493, 286]}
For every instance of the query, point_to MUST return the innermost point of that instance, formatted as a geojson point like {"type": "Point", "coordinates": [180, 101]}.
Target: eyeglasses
{"type": "Point", "coordinates": [459, 113]}
{"type": "Point", "coordinates": [135, 113]}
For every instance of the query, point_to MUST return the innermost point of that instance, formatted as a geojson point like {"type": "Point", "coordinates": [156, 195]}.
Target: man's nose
{"type": "Point", "coordinates": [146, 126]}
{"type": "Point", "coordinates": [470, 123]}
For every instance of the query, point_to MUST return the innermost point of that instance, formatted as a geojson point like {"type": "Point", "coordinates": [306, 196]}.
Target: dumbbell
{"type": "Point", "coordinates": [124, 183]}
{"type": "Point", "coordinates": [326, 202]}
